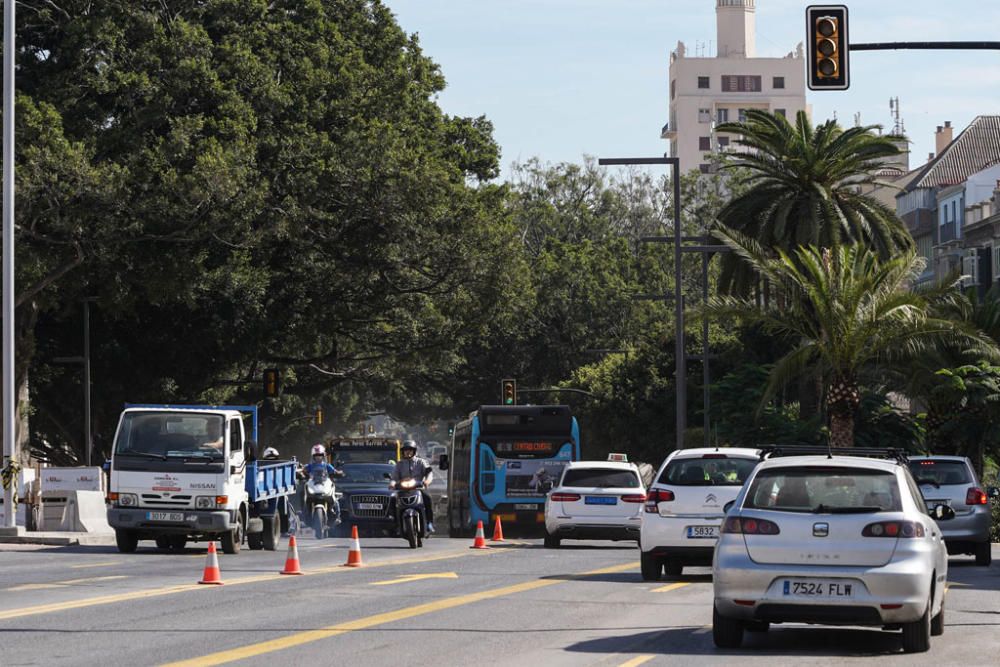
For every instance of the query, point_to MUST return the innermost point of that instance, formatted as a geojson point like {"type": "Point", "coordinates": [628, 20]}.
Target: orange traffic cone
{"type": "Point", "coordinates": [497, 531]}
{"type": "Point", "coordinates": [480, 541]}
{"type": "Point", "coordinates": [212, 574]}
{"type": "Point", "coordinates": [354, 555]}
{"type": "Point", "coordinates": [292, 561]}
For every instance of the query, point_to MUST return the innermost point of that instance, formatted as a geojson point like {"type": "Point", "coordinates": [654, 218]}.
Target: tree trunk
{"type": "Point", "coordinates": [841, 429]}
{"type": "Point", "coordinates": [810, 394]}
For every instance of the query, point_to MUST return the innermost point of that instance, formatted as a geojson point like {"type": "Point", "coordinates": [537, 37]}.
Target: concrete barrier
{"type": "Point", "coordinates": [85, 512]}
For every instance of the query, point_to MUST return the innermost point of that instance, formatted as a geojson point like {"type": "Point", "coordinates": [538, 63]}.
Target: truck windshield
{"type": "Point", "coordinates": [171, 435]}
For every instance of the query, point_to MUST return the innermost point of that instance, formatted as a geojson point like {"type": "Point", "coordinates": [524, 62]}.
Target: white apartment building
{"type": "Point", "coordinates": [711, 90]}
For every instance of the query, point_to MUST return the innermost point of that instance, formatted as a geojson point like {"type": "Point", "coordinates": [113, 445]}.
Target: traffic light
{"type": "Point", "coordinates": [318, 418]}
{"type": "Point", "coordinates": [272, 382]}
{"type": "Point", "coordinates": [508, 392]}
{"type": "Point", "coordinates": [451, 430]}
{"type": "Point", "coordinates": [828, 48]}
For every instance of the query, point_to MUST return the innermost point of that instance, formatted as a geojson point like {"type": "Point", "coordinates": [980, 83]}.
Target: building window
{"type": "Point", "coordinates": [743, 115]}
{"type": "Point", "coordinates": [780, 112]}
{"type": "Point", "coordinates": [704, 115]}
{"type": "Point", "coordinates": [722, 115]}
{"type": "Point", "coordinates": [704, 143]}
{"type": "Point", "coordinates": [779, 82]}
{"type": "Point", "coordinates": [723, 142]}
{"type": "Point", "coordinates": [732, 83]}
{"type": "Point", "coordinates": [705, 168]}
{"type": "Point", "coordinates": [673, 89]}
{"type": "Point", "coordinates": [704, 82]}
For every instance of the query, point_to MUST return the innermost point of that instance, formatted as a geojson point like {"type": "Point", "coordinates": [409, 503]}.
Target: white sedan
{"type": "Point", "coordinates": [595, 500]}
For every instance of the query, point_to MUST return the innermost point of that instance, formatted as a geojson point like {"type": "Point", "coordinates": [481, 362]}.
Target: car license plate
{"type": "Point", "coordinates": [369, 506]}
{"type": "Point", "coordinates": [600, 500]}
{"type": "Point", "coordinates": [164, 516]}
{"type": "Point", "coordinates": [696, 532]}
{"type": "Point", "coordinates": [526, 506]}
{"type": "Point", "coordinates": [817, 588]}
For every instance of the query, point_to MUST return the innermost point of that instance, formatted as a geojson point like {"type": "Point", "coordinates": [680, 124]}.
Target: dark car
{"type": "Point", "coordinates": [365, 502]}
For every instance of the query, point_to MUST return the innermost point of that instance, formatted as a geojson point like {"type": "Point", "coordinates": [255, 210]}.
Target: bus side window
{"type": "Point", "coordinates": [487, 472]}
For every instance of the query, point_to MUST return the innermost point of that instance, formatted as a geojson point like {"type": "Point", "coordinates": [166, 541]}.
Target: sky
{"type": "Point", "coordinates": [561, 79]}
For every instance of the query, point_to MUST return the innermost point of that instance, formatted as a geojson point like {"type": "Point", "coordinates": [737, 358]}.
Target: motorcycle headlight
{"type": "Point", "coordinates": [408, 484]}
{"type": "Point", "coordinates": [205, 502]}
{"type": "Point", "coordinates": [128, 499]}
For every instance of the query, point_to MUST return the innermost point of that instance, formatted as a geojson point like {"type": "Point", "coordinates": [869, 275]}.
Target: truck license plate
{"type": "Point", "coordinates": [164, 516]}
{"type": "Point", "coordinates": [702, 531]}
{"type": "Point", "coordinates": [369, 506]}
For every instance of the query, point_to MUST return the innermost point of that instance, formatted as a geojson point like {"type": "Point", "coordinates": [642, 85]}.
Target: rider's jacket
{"type": "Point", "coordinates": [415, 468]}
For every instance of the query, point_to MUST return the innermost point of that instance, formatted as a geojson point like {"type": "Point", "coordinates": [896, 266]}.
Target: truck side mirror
{"type": "Point", "coordinates": [251, 448]}
{"type": "Point", "coordinates": [443, 462]}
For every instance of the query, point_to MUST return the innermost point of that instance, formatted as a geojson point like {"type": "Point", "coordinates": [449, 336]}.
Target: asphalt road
{"type": "Point", "coordinates": [515, 604]}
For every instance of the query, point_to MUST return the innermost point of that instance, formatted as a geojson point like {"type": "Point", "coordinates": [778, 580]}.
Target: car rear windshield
{"type": "Point", "coordinates": [707, 471]}
{"type": "Point", "coordinates": [602, 478]}
{"type": "Point", "coordinates": [819, 489]}
{"type": "Point", "coordinates": [940, 472]}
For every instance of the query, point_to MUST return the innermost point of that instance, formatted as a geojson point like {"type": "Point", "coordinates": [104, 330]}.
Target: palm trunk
{"type": "Point", "coordinates": [842, 429]}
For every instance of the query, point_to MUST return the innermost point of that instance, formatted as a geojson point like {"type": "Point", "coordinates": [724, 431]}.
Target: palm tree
{"type": "Point", "coordinates": [803, 189]}
{"type": "Point", "coordinates": [850, 313]}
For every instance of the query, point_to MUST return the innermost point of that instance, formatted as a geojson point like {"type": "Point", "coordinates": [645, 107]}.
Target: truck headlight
{"type": "Point", "coordinates": [128, 499]}
{"type": "Point", "coordinates": [205, 502]}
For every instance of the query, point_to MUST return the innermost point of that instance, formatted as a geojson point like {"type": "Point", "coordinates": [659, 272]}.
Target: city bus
{"type": "Point", "coordinates": [364, 450]}
{"type": "Point", "coordinates": [505, 459]}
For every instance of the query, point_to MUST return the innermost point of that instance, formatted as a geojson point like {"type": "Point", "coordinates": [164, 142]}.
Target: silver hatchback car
{"type": "Point", "coordinates": [831, 540]}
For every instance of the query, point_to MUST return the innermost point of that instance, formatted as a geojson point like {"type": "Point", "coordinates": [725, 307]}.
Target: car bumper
{"type": "Point", "coordinates": [894, 593]}
{"type": "Point", "coordinates": [667, 536]}
{"type": "Point", "coordinates": [193, 521]}
{"type": "Point", "coordinates": [974, 527]}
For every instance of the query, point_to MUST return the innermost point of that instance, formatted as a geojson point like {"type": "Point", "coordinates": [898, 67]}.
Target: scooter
{"type": "Point", "coordinates": [411, 520]}
{"type": "Point", "coordinates": [320, 510]}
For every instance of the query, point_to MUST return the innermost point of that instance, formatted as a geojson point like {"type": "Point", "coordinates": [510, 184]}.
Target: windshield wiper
{"type": "Point", "coordinates": [863, 509]}
{"type": "Point", "coordinates": [148, 455]}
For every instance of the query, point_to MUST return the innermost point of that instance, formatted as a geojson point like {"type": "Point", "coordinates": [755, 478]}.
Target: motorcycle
{"type": "Point", "coordinates": [320, 510]}
{"type": "Point", "coordinates": [411, 520]}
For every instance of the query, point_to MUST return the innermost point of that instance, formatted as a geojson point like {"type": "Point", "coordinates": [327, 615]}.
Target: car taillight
{"type": "Point", "coordinates": [894, 529]}
{"type": "Point", "coordinates": [750, 526]}
{"type": "Point", "coordinates": [634, 498]}
{"type": "Point", "coordinates": [976, 496]}
{"type": "Point", "coordinates": [657, 496]}
{"type": "Point", "coordinates": [564, 497]}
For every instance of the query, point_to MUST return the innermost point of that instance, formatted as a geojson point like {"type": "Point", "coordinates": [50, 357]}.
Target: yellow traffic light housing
{"type": "Point", "coordinates": [828, 50]}
{"type": "Point", "coordinates": [508, 392]}
{"type": "Point", "coordinates": [272, 382]}
{"type": "Point", "coordinates": [318, 419]}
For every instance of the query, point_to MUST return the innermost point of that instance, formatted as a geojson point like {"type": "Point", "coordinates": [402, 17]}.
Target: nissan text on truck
{"type": "Point", "coordinates": [188, 473]}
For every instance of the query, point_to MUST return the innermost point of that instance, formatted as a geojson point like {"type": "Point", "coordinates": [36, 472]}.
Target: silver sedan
{"type": "Point", "coordinates": [831, 540]}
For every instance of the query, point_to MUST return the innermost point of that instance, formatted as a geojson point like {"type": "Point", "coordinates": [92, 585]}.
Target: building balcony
{"type": "Point", "coordinates": [668, 132]}
{"type": "Point", "coordinates": [948, 232]}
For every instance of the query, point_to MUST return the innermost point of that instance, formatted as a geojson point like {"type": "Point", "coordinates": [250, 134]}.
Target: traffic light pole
{"type": "Point", "coordinates": [954, 46]}
{"type": "Point", "coordinates": [680, 375]}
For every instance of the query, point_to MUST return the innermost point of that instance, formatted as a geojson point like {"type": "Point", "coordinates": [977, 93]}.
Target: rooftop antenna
{"type": "Point", "coordinates": [897, 120]}
{"type": "Point", "coordinates": [857, 119]}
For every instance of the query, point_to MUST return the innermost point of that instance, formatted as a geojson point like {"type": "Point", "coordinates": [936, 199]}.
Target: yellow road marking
{"type": "Point", "coordinates": [63, 584]}
{"type": "Point", "coordinates": [104, 564]}
{"type": "Point", "coordinates": [290, 641]}
{"type": "Point", "coordinates": [671, 587]}
{"type": "Point", "coordinates": [183, 588]}
{"type": "Point", "coordinates": [416, 577]}
{"type": "Point", "coordinates": [638, 660]}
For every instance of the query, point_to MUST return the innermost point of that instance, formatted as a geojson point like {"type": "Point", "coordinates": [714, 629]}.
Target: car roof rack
{"type": "Point", "coordinates": [771, 451]}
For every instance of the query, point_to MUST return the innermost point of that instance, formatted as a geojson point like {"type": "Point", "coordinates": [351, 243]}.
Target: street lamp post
{"type": "Point", "coordinates": [88, 436]}
{"type": "Point", "coordinates": [7, 361]}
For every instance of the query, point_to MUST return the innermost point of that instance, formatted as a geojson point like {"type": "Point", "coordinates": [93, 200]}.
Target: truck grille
{"type": "Point", "coordinates": [360, 513]}
{"type": "Point", "coordinates": [156, 500]}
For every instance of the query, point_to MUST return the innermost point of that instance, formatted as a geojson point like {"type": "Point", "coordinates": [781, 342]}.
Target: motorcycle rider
{"type": "Point", "coordinates": [319, 464]}
{"type": "Point", "coordinates": [413, 466]}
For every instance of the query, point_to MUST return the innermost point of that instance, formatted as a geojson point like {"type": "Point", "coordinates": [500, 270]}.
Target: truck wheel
{"type": "Point", "coordinates": [163, 543]}
{"type": "Point", "coordinates": [233, 540]}
{"type": "Point", "coordinates": [255, 541]}
{"type": "Point", "coordinates": [126, 540]}
{"type": "Point", "coordinates": [284, 522]}
{"type": "Point", "coordinates": [272, 536]}
{"type": "Point", "coordinates": [178, 542]}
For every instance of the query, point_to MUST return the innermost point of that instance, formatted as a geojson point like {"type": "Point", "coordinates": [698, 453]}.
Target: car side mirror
{"type": "Point", "coordinates": [728, 506]}
{"type": "Point", "coordinates": [443, 462]}
{"type": "Point", "coordinates": [993, 491]}
{"type": "Point", "coordinates": [942, 513]}
{"type": "Point", "coordinates": [386, 475]}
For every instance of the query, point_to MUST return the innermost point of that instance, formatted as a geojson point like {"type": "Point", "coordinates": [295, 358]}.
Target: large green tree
{"type": "Point", "coordinates": [850, 314]}
{"type": "Point", "coordinates": [803, 187]}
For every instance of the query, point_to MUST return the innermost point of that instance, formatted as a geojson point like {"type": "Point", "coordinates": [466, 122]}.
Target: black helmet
{"type": "Point", "coordinates": [408, 444]}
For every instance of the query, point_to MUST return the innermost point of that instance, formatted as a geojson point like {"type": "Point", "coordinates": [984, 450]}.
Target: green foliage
{"type": "Point", "coordinates": [964, 412]}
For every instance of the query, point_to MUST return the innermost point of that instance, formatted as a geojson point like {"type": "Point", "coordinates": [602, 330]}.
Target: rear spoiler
{"type": "Point", "coordinates": [900, 456]}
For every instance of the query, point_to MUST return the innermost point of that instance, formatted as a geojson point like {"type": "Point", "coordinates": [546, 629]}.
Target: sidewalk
{"type": "Point", "coordinates": [55, 538]}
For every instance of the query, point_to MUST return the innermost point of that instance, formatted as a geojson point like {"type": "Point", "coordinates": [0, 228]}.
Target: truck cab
{"type": "Point", "coordinates": [181, 473]}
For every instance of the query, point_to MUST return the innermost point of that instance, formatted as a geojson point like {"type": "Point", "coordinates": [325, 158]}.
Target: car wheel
{"type": "Point", "coordinates": [551, 541]}
{"type": "Point", "coordinates": [984, 554]}
{"type": "Point", "coordinates": [937, 623]}
{"type": "Point", "coordinates": [726, 632]}
{"type": "Point", "coordinates": [651, 566]}
{"type": "Point", "coordinates": [673, 567]}
{"type": "Point", "coordinates": [917, 635]}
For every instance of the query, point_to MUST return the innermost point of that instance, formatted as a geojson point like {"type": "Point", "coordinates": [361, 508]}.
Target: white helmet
{"type": "Point", "coordinates": [319, 450]}
{"type": "Point", "coordinates": [270, 453]}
